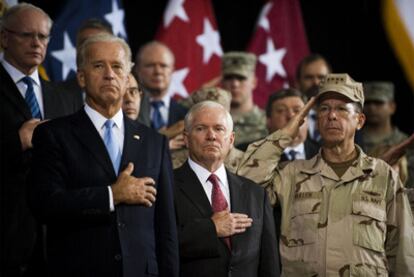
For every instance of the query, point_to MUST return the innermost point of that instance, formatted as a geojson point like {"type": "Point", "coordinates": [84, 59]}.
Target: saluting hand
{"type": "Point", "coordinates": [292, 128]}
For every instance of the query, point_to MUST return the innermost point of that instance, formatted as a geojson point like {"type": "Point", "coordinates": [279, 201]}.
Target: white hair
{"type": "Point", "coordinates": [189, 118]}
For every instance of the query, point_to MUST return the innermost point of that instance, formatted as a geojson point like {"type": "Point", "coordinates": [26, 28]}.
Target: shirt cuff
{"type": "Point", "coordinates": [111, 200]}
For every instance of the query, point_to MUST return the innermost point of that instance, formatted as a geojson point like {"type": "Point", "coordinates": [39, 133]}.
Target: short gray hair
{"type": "Point", "coordinates": [81, 54]}
{"type": "Point", "coordinates": [12, 11]}
{"type": "Point", "coordinates": [188, 120]}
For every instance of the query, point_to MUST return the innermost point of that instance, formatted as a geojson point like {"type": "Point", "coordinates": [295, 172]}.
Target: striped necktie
{"type": "Point", "coordinates": [30, 98]}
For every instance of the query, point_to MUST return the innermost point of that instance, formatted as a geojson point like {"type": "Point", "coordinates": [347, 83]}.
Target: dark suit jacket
{"type": "Point", "coordinates": [69, 192]}
{"type": "Point", "coordinates": [176, 112]}
{"type": "Point", "coordinates": [202, 253]}
{"type": "Point", "coordinates": [17, 224]}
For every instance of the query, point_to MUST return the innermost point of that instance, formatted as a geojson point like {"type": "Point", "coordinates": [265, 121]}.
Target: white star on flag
{"type": "Point", "coordinates": [175, 8]}
{"type": "Point", "coordinates": [272, 59]}
{"type": "Point", "coordinates": [67, 56]}
{"type": "Point", "coordinates": [263, 20]}
{"type": "Point", "coordinates": [116, 18]}
{"type": "Point", "coordinates": [210, 41]}
{"type": "Point", "coordinates": [177, 82]}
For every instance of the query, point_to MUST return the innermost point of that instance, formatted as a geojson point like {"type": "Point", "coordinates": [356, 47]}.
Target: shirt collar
{"type": "Point", "coordinates": [166, 100]}
{"type": "Point", "coordinates": [17, 75]}
{"type": "Point", "coordinates": [99, 120]}
{"type": "Point", "coordinates": [203, 173]}
{"type": "Point", "coordinates": [300, 148]}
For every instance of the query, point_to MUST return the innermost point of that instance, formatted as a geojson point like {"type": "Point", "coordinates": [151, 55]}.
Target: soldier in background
{"type": "Point", "coordinates": [238, 77]}
{"type": "Point", "coordinates": [341, 191]}
{"type": "Point", "coordinates": [221, 96]}
{"type": "Point", "coordinates": [379, 134]}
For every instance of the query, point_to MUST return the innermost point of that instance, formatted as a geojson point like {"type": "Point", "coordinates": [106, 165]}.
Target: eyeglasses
{"type": "Point", "coordinates": [341, 110]}
{"type": "Point", "coordinates": [29, 35]}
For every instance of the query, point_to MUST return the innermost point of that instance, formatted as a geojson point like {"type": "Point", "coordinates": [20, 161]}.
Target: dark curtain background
{"type": "Point", "coordinates": [348, 33]}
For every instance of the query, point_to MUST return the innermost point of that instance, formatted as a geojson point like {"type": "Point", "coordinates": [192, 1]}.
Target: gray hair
{"type": "Point", "coordinates": [150, 44]}
{"type": "Point", "coordinates": [188, 120]}
{"type": "Point", "coordinates": [12, 11]}
{"type": "Point", "coordinates": [81, 58]}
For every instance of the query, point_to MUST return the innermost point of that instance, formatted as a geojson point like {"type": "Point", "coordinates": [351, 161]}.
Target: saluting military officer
{"type": "Point", "coordinates": [238, 77]}
{"type": "Point", "coordinates": [343, 213]}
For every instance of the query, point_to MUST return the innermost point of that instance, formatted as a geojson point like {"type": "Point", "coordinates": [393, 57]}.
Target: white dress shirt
{"type": "Point", "coordinates": [98, 121]}
{"type": "Point", "coordinates": [300, 152]}
{"type": "Point", "coordinates": [17, 76]}
{"type": "Point", "coordinates": [203, 174]}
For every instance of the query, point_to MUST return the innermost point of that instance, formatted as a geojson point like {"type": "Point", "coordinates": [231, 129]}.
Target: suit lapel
{"type": "Point", "coordinates": [13, 94]}
{"type": "Point", "coordinates": [90, 138]}
{"type": "Point", "coordinates": [188, 183]}
{"type": "Point", "coordinates": [133, 142]}
{"type": "Point", "coordinates": [238, 205]}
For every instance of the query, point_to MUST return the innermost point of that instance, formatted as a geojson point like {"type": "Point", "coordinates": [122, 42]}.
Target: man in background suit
{"type": "Point", "coordinates": [102, 182]}
{"type": "Point", "coordinates": [281, 107]}
{"type": "Point", "coordinates": [225, 223]}
{"type": "Point", "coordinates": [154, 65]}
{"type": "Point", "coordinates": [25, 101]}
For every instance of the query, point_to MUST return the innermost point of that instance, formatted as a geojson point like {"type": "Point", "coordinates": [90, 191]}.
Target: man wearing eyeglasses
{"type": "Point", "coordinates": [343, 213]}
{"type": "Point", "coordinates": [25, 101]}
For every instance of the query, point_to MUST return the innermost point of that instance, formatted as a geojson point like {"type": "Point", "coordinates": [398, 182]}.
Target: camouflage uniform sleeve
{"type": "Point", "coordinates": [260, 161]}
{"type": "Point", "coordinates": [400, 229]}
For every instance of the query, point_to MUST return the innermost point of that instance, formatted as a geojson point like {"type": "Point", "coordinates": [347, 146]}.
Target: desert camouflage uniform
{"type": "Point", "coordinates": [249, 127]}
{"type": "Point", "coordinates": [356, 225]}
{"type": "Point", "coordinates": [394, 138]}
{"type": "Point", "coordinates": [232, 161]}
{"type": "Point", "coordinates": [373, 146]}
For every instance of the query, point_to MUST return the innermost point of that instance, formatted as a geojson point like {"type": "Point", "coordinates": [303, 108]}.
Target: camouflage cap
{"type": "Point", "coordinates": [343, 84]}
{"type": "Point", "coordinates": [215, 94]}
{"type": "Point", "coordinates": [379, 91]}
{"type": "Point", "coordinates": [238, 63]}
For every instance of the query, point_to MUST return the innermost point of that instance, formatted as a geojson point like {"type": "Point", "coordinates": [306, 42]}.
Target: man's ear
{"type": "Point", "coordinates": [185, 134]}
{"type": "Point", "coordinates": [3, 39]}
{"type": "Point", "coordinates": [81, 78]}
{"type": "Point", "coordinates": [361, 121]}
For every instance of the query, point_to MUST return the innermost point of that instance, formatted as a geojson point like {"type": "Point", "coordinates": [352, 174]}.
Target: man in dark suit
{"type": "Point", "coordinates": [25, 101]}
{"type": "Point", "coordinates": [225, 223]}
{"type": "Point", "coordinates": [280, 108]}
{"type": "Point", "coordinates": [102, 182]}
{"type": "Point", "coordinates": [154, 68]}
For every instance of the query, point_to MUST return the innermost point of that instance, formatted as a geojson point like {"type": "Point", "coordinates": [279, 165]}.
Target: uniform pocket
{"type": "Point", "coordinates": [364, 270]}
{"type": "Point", "coordinates": [304, 218]}
{"type": "Point", "coordinates": [369, 227]}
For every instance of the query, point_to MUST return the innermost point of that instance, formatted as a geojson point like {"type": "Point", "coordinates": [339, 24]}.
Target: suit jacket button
{"type": "Point", "coordinates": [121, 225]}
{"type": "Point", "coordinates": [118, 257]}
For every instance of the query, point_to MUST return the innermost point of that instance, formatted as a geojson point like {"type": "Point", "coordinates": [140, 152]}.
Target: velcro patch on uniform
{"type": "Point", "coordinates": [307, 195]}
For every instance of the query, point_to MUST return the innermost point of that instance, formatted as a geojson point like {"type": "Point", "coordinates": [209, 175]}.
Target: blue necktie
{"type": "Point", "coordinates": [31, 98]}
{"type": "Point", "coordinates": [316, 136]}
{"type": "Point", "coordinates": [111, 144]}
{"type": "Point", "coordinates": [292, 154]}
{"type": "Point", "coordinates": [157, 120]}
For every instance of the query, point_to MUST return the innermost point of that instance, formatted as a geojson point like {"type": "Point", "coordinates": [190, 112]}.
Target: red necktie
{"type": "Point", "coordinates": [218, 201]}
